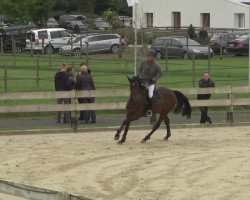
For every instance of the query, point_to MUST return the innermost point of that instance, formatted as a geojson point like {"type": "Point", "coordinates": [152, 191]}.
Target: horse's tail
{"type": "Point", "coordinates": [182, 105]}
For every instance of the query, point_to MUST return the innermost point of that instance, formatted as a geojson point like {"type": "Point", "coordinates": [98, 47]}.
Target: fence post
{"type": "Point", "coordinates": [231, 108]}
{"type": "Point", "coordinates": [31, 45]}
{"type": "Point", "coordinates": [37, 71]}
{"type": "Point", "coordinates": [43, 46]}
{"type": "Point", "coordinates": [71, 45]}
{"type": "Point", "coordinates": [81, 50]}
{"type": "Point", "coordinates": [166, 59]}
{"type": "Point", "coordinates": [1, 44]}
{"type": "Point", "coordinates": [14, 51]}
{"type": "Point", "coordinates": [74, 121]}
{"type": "Point", "coordinates": [5, 79]}
{"type": "Point", "coordinates": [193, 70]}
{"type": "Point", "coordinates": [209, 59]}
{"type": "Point", "coordinates": [221, 50]}
{"type": "Point", "coordinates": [87, 53]}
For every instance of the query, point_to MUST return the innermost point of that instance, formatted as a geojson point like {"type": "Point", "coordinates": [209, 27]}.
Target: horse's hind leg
{"type": "Point", "coordinates": [117, 135]}
{"type": "Point", "coordinates": [166, 120]}
{"type": "Point", "coordinates": [125, 133]}
{"type": "Point", "coordinates": [156, 126]}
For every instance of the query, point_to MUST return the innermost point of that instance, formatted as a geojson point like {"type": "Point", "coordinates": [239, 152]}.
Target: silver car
{"type": "Point", "coordinates": [179, 47]}
{"type": "Point", "coordinates": [92, 44]}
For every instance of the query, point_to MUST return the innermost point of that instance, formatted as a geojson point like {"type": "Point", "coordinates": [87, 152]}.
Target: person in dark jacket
{"type": "Point", "coordinates": [85, 82]}
{"type": "Point", "coordinates": [203, 36]}
{"type": "Point", "coordinates": [205, 82]}
{"type": "Point", "coordinates": [191, 32]}
{"type": "Point", "coordinates": [63, 83]}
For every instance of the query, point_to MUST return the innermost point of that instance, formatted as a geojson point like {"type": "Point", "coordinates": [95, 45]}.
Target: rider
{"type": "Point", "coordinates": [149, 72]}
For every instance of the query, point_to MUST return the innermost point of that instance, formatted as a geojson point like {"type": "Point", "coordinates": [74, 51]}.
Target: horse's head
{"type": "Point", "coordinates": [134, 84]}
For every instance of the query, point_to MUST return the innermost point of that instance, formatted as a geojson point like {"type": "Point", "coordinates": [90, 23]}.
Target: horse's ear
{"type": "Point", "coordinates": [129, 79]}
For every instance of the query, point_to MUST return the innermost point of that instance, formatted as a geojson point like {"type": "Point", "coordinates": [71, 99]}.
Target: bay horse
{"type": "Point", "coordinates": [170, 100]}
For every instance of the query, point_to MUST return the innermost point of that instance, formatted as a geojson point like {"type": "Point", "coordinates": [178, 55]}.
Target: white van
{"type": "Point", "coordinates": [54, 38]}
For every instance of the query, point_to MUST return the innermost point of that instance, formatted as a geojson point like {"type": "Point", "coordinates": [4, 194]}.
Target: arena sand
{"type": "Point", "coordinates": [197, 163]}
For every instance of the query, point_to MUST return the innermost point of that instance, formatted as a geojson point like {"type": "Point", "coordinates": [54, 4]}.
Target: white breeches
{"type": "Point", "coordinates": [151, 90]}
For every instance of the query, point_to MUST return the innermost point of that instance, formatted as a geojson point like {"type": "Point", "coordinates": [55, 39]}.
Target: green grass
{"type": "Point", "coordinates": [109, 72]}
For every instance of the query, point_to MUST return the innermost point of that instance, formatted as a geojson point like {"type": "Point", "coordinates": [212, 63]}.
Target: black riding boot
{"type": "Point", "coordinates": [149, 112]}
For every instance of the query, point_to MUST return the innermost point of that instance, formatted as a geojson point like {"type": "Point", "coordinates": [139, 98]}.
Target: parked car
{"type": "Point", "coordinates": [179, 47]}
{"type": "Point", "coordinates": [96, 43]}
{"type": "Point", "coordinates": [76, 26]}
{"type": "Point", "coordinates": [52, 23]}
{"type": "Point", "coordinates": [218, 41]}
{"type": "Point", "coordinates": [126, 21]}
{"type": "Point", "coordinates": [239, 46]}
{"type": "Point", "coordinates": [15, 34]}
{"type": "Point", "coordinates": [101, 24]}
{"type": "Point", "coordinates": [67, 18]}
{"type": "Point", "coordinates": [54, 38]}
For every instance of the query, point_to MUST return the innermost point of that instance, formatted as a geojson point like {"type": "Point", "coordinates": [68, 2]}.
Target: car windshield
{"type": "Point", "coordinates": [215, 37]}
{"type": "Point", "coordinates": [243, 37]}
{"type": "Point", "coordinates": [83, 38]}
{"type": "Point", "coordinates": [101, 24]}
{"type": "Point", "coordinates": [190, 42]}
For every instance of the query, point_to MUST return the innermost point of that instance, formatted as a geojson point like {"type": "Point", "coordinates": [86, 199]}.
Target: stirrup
{"type": "Point", "coordinates": [149, 113]}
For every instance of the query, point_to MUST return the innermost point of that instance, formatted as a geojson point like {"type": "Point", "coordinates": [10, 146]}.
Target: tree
{"type": "Point", "coordinates": [121, 7]}
{"type": "Point", "coordinates": [112, 18]}
{"type": "Point", "coordinates": [25, 11]}
{"type": "Point", "coordinates": [41, 11]}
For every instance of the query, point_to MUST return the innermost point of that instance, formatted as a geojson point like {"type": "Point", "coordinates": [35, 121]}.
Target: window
{"type": "Point", "coordinates": [31, 36]}
{"type": "Point", "coordinates": [239, 20]}
{"type": "Point", "coordinates": [65, 33]}
{"type": "Point", "coordinates": [175, 43]}
{"type": "Point", "coordinates": [55, 34]}
{"type": "Point", "coordinates": [159, 42]}
{"type": "Point", "coordinates": [150, 19]}
{"type": "Point", "coordinates": [167, 42]}
{"type": "Point", "coordinates": [176, 20]}
{"type": "Point", "coordinates": [92, 39]}
{"type": "Point", "coordinates": [205, 19]}
{"type": "Point", "coordinates": [42, 34]}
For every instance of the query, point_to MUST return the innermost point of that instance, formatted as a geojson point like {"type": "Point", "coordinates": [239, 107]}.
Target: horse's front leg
{"type": "Point", "coordinates": [156, 126]}
{"type": "Point", "coordinates": [166, 120]}
{"type": "Point", "coordinates": [125, 133]}
{"type": "Point", "coordinates": [117, 135]}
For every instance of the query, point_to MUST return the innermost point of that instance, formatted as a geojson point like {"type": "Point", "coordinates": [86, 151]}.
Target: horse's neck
{"type": "Point", "coordinates": [137, 97]}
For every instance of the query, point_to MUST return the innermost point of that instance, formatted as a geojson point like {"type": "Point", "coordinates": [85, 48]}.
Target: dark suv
{"type": "Point", "coordinates": [16, 33]}
{"type": "Point", "coordinates": [179, 47]}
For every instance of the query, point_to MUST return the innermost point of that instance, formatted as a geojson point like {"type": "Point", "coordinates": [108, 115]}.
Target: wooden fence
{"type": "Point", "coordinates": [230, 101]}
{"type": "Point", "coordinates": [35, 193]}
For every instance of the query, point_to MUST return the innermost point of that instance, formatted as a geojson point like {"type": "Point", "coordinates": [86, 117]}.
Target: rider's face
{"type": "Point", "coordinates": [150, 58]}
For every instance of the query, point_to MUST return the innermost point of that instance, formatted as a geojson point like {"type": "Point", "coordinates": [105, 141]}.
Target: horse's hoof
{"type": "Point", "coordinates": [143, 141]}
{"type": "Point", "coordinates": [119, 142]}
{"type": "Point", "coordinates": [116, 137]}
{"type": "Point", "coordinates": [165, 139]}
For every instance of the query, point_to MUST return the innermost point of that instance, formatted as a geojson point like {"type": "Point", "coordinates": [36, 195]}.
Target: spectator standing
{"type": "Point", "coordinates": [62, 83]}
{"type": "Point", "coordinates": [85, 82]}
{"type": "Point", "coordinates": [191, 32]}
{"type": "Point", "coordinates": [205, 82]}
{"type": "Point", "coordinates": [70, 70]}
{"type": "Point", "coordinates": [203, 36]}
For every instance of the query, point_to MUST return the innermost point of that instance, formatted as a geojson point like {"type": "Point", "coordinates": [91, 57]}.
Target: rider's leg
{"type": "Point", "coordinates": [150, 96]}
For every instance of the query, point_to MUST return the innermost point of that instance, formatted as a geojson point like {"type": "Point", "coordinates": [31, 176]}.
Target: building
{"type": "Point", "coordinates": [200, 13]}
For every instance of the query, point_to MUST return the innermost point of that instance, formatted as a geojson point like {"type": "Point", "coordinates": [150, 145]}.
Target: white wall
{"type": "Point", "coordinates": [222, 12]}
